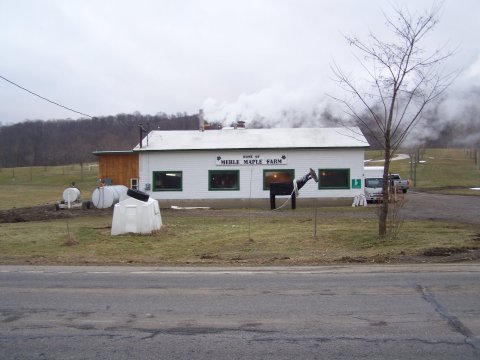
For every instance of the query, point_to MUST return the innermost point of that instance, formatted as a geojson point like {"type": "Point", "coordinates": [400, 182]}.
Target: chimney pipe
{"type": "Point", "coordinates": [201, 120]}
{"type": "Point", "coordinates": [140, 126]}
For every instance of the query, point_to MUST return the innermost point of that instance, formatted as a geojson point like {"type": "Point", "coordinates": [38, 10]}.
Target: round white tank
{"type": "Point", "coordinates": [71, 194]}
{"type": "Point", "coordinates": [107, 196]}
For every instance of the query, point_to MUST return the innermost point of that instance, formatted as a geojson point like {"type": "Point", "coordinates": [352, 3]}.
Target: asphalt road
{"type": "Point", "coordinates": [342, 312]}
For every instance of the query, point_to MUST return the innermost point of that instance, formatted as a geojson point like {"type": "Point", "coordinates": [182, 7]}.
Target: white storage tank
{"type": "Point", "coordinates": [136, 216]}
{"type": "Point", "coordinates": [106, 196]}
{"type": "Point", "coordinates": [71, 194]}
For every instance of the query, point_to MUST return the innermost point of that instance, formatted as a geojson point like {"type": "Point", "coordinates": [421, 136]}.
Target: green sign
{"type": "Point", "coordinates": [356, 183]}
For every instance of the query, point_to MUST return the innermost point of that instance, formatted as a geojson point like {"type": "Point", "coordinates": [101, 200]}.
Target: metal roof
{"type": "Point", "coordinates": [292, 138]}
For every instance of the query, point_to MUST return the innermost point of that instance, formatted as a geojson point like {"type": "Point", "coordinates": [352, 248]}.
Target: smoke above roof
{"type": "Point", "coordinates": [273, 107]}
{"type": "Point", "coordinates": [454, 120]}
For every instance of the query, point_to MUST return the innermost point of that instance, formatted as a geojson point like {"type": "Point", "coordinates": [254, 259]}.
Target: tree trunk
{"type": "Point", "coordinates": [383, 217]}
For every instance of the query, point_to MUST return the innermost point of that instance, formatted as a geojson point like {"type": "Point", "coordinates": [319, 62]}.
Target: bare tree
{"type": "Point", "coordinates": [402, 79]}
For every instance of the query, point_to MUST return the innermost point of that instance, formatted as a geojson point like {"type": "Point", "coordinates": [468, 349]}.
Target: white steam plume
{"type": "Point", "coordinates": [275, 106]}
{"type": "Point", "coordinates": [456, 117]}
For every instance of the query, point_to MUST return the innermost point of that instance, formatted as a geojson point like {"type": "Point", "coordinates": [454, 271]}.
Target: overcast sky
{"type": "Point", "coordinates": [106, 57]}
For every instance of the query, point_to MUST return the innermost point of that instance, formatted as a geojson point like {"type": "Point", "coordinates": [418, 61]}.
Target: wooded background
{"type": "Point", "coordinates": [60, 142]}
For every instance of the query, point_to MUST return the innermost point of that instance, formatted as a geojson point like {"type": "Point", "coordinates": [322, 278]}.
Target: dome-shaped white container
{"type": "Point", "coordinates": [71, 194]}
{"type": "Point", "coordinates": [107, 196]}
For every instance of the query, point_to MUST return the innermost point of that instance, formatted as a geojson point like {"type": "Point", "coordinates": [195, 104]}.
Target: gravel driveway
{"type": "Point", "coordinates": [430, 206]}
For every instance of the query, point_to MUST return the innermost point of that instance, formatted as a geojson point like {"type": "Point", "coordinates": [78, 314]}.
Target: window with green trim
{"type": "Point", "coordinates": [277, 176]}
{"type": "Point", "coordinates": [167, 180]}
{"type": "Point", "coordinates": [223, 180]}
{"type": "Point", "coordinates": [334, 179]}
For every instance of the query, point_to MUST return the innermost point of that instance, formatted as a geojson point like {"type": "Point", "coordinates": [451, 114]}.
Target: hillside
{"type": "Point", "coordinates": [62, 142]}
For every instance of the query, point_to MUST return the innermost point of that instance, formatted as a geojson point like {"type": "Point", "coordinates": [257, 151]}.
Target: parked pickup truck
{"type": "Point", "coordinates": [399, 183]}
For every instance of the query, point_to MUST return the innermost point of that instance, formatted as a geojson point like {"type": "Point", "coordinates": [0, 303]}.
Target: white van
{"type": "Point", "coordinates": [373, 183]}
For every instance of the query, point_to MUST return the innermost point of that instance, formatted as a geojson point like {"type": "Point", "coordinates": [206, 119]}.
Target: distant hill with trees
{"type": "Point", "coordinates": [60, 142]}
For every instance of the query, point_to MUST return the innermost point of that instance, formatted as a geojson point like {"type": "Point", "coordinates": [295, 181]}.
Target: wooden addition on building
{"type": "Point", "coordinates": [118, 167]}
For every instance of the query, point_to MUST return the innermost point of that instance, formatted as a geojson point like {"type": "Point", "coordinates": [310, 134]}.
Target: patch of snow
{"type": "Point", "coordinates": [395, 158]}
{"type": "Point", "coordinates": [174, 207]}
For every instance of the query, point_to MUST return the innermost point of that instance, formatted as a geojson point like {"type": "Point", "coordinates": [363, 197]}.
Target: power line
{"type": "Point", "coordinates": [44, 98]}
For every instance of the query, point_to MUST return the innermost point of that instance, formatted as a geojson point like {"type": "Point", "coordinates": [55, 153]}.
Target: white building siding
{"type": "Point", "coordinates": [195, 166]}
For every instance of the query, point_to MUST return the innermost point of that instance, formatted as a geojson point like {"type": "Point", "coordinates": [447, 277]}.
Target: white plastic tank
{"type": "Point", "coordinates": [71, 194]}
{"type": "Point", "coordinates": [136, 216]}
{"type": "Point", "coordinates": [106, 196]}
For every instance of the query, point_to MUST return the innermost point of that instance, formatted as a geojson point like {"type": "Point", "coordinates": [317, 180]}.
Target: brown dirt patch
{"type": "Point", "coordinates": [46, 212]}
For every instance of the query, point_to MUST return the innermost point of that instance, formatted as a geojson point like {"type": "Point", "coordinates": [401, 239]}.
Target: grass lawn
{"type": "Point", "coordinates": [251, 237]}
{"type": "Point", "coordinates": [31, 186]}
{"type": "Point", "coordinates": [448, 171]}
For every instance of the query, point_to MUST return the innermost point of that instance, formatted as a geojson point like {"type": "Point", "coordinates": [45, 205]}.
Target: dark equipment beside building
{"type": "Point", "coordinates": [290, 188]}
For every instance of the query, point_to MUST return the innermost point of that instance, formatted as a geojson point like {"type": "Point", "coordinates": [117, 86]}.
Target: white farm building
{"type": "Point", "coordinates": [234, 167]}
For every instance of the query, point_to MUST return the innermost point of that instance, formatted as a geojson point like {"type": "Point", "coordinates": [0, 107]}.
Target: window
{"type": "Point", "coordinates": [373, 182]}
{"type": "Point", "coordinates": [223, 180]}
{"type": "Point", "coordinates": [334, 179]}
{"type": "Point", "coordinates": [134, 184]}
{"type": "Point", "coordinates": [167, 180]}
{"type": "Point", "coordinates": [277, 176]}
